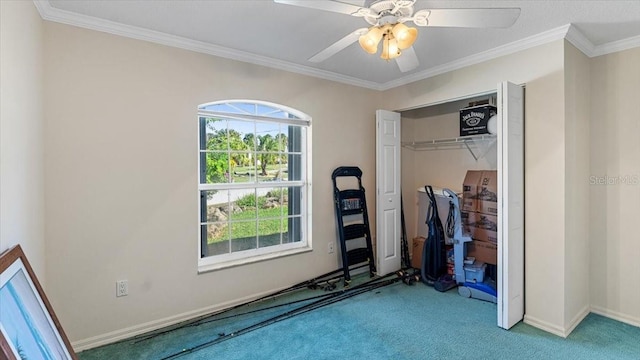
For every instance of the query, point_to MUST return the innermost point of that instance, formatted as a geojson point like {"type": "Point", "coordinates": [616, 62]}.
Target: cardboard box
{"type": "Point", "coordinates": [474, 120]}
{"type": "Point", "coordinates": [416, 252]}
{"type": "Point", "coordinates": [483, 251]}
{"type": "Point", "coordinates": [487, 197]}
{"type": "Point", "coordinates": [470, 190]}
{"type": "Point", "coordinates": [483, 227]}
{"type": "Point", "coordinates": [480, 191]}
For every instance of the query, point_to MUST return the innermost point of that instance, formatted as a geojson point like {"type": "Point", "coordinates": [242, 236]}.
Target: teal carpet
{"type": "Point", "coordinates": [393, 322]}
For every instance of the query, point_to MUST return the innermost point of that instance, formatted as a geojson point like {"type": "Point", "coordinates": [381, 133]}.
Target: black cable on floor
{"type": "Point", "coordinates": [311, 283]}
{"type": "Point", "coordinates": [210, 319]}
{"type": "Point", "coordinates": [338, 296]}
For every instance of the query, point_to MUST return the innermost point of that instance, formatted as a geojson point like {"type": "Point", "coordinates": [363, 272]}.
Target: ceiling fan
{"type": "Point", "coordinates": [387, 19]}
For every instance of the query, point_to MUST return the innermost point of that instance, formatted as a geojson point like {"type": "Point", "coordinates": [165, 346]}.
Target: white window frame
{"type": "Point", "coordinates": [211, 263]}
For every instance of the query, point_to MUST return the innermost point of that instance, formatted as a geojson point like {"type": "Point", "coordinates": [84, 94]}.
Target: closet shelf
{"type": "Point", "coordinates": [481, 143]}
{"type": "Point", "coordinates": [425, 144]}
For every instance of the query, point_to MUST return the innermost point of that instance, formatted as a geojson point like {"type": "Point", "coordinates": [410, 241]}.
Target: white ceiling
{"type": "Point", "coordinates": [285, 36]}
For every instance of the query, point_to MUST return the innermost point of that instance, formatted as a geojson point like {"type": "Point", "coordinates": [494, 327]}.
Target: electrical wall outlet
{"type": "Point", "coordinates": [331, 248]}
{"type": "Point", "coordinates": [122, 288]}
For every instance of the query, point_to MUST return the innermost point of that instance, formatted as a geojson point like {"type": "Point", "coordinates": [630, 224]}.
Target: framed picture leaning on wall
{"type": "Point", "coordinates": [29, 329]}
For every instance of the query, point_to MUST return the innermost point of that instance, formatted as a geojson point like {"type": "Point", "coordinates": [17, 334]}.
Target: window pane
{"type": "Point", "coordinates": [294, 167]}
{"type": "Point", "coordinates": [269, 232]}
{"type": "Point", "coordinates": [240, 108]}
{"type": "Point", "coordinates": [217, 203]}
{"type": "Point", "coordinates": [277, 198]}
{"type": "Point", "coordinates": [237, 131]}
{"type": "Point", "coordinates": [244, 174]}
{"type": "Point", "coordinates": [215, 168]}
{"type": "Point", "coordinates": [251, 141]}
{"type": "Point", "coordinates": [216, 134]}
{"type": "Point", "coordinates": [241, 163]}
{"type": "Point", "coordinates": [269, 167]}
{"type": "Point", "coordinates": [294, 139]}
{"type": "Point", "coordinates": [269, 111]}
{"type": "Point", "coordinates": [217, 239]}
{"type": "Point", "coordinates": [293, 201]}
{"type": "Point", "coordinates": [285, 234]}
{"type": "Point", "coordinates": [243, 235]}
{"type": "Point", "coordinates": [283, 137]}
{"type": "Point", "coordinates": [244, 203]}
{"type": "Point", "coordinates": [294, 233]}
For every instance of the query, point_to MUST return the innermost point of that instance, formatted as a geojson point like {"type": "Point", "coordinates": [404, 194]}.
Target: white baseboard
{"type": "Point", "coordinates": [129, 332]}
{"type": "Point", "coordinates": [554, 329]}
{"type": "Point", "coordinates": [564, 332]}
{"type": "Point", "coordinates": [545, 326]}
{"type": "Point", "coordinates": [625, 318]}
{"type": "Point", "coordinates": [577, 319]}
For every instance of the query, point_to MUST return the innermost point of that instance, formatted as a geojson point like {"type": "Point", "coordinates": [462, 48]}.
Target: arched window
{"type": "Point", "coordinates": [254, 171]}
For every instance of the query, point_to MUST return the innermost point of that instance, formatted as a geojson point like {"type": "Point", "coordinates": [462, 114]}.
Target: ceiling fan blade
{"type": "Point", "coordinates": [408, 60]}
{"type": "Point", "coordinates": [338, 46]}
{"type": "Point", "coordinates": [472, 18]}
{"type": "Point", "coordinates": [327, 5]}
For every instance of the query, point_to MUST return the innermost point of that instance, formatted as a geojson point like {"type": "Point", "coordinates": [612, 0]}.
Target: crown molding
{"type": "Point", "coordinates": [568, 32]}
{"type": "Point", "coordinates": [577, 39]}
{"type": "Point", "coordinates": [49, 13]}
{"type": "Point", "coordinates": [615, 46]}
{"type": "Point", "coordinates": [507, 49]}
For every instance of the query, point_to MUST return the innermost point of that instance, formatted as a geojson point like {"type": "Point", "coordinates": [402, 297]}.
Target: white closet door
{"type": "Point", "coordinates": [510, 204]}
{"type": "Point", "coordinates": [388, 229]}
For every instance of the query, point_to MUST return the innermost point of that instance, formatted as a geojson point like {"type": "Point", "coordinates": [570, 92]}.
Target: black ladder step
{"type": "Point", "coordinates": [357, 256]}
{"type": "Point", "coordinates": [354, 231]}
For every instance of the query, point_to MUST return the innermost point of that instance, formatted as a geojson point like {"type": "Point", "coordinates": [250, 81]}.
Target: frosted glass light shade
{"type": "Point", "coordinates": [404, 35]}
{"type": "Point", "coordinates": [369, 41]}
{"type": "Point", "coordinates": [390, 48]}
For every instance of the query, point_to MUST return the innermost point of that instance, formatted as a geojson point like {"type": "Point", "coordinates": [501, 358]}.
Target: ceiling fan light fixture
{"type": "Point", "coordinates": [404, 35]}
{"type": "Point", "coordinates": [369, 41]}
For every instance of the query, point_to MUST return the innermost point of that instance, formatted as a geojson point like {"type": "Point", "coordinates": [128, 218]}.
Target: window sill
{"type": "Point", "coordinates": [205, 266]}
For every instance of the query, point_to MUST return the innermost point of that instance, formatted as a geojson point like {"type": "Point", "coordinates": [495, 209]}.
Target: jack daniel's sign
{"type": "Point", "coordinates": [473, 120]}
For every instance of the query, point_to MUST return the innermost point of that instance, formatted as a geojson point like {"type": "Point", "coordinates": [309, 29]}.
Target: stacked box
{"type": "Point", "coordinates": [488, 193]}
{"type": "Point", "coordinates": [482, 227]}
{"type": "Point", "coordinates": [483, 251]}
{"type": "Point", "coordinates": [480, 213]}
{"type": "Point", "coordinates": [470, 190]}
{"type": "Point", "coordinates": [480, 192]}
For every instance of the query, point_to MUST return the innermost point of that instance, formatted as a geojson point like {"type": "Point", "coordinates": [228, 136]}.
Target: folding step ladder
{"type": "Point", "coordinates": [353, 223]}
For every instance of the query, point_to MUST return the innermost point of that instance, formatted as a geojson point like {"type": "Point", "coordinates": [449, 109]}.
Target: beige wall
{"type": "Point", "coordinates": [542, 70]}
{"type": "Point", "coordinates": [576, 245]}
{"type": "Point", "coordinates": [21, 132]}
{"type": "Point", "coordinates": [120, 171]}
{"type": "Point", "coordinates": [121, 186]}
{"type": "Point", "coordinates": [615, 153]}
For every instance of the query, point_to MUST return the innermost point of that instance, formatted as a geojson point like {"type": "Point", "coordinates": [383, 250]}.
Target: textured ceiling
{"type": "Point", "coordinates": [287, 36]}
